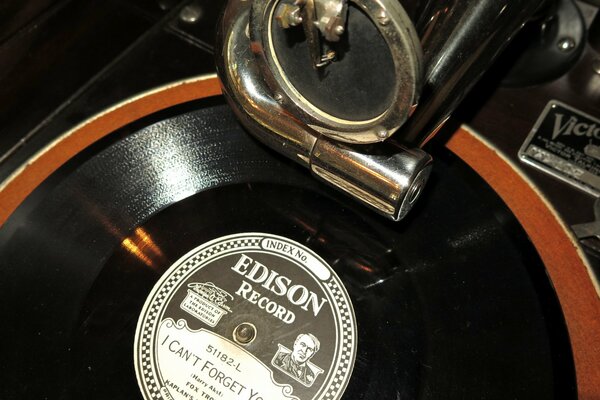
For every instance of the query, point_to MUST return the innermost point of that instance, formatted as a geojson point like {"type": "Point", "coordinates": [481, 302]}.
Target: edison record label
{"type": "Point", "coordinates": [249, 316]}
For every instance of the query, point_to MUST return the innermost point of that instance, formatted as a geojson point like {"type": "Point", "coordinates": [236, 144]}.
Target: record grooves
{"type": "Point", "coordinates": [452, 303]}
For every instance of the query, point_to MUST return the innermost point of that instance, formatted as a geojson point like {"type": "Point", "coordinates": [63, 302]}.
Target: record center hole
{"type": "Point", "coordinates": [244, 333]}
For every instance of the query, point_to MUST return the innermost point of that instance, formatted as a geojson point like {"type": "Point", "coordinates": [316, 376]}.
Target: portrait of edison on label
{"type": "Point", "coordinates": [296, 362]}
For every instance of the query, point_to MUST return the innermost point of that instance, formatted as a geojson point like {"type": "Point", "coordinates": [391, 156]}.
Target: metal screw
{"type": "Point", "coordinates": [288, 16]}
{"type": "Point", "coordinates": [278, 97]}
{"type": "Point", "coordinates": [383, 18]}
{"type": "Point", "coordinates": [244, 333]}
{"type": "Point", "coordinates": [191, 13]}
{"type": "Point", "coordinates": [295, 18]}
{"type": "Point", "coordinates": [339, 30]}
{"type": "Point", "coordinates": [382, 133]}
{"type": "Point", "coordinates": [596, 66]}
{"type": "Point", "coordinates": [566, 44]}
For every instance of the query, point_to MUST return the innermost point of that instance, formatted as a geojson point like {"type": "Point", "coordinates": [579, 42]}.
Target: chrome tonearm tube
{"type": "Point", "coordinates": [328, 82]}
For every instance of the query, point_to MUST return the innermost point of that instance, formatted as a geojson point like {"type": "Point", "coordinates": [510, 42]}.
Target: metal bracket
{"type": "Point", "coordinates": [327, 17]}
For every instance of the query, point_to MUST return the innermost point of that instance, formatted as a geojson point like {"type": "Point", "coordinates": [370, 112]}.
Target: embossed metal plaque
{"type": "Point", "coordinates": [565, 143]}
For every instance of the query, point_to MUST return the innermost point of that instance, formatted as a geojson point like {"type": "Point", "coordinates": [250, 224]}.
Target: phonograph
{"type": "Point", "coordinates": [300, 199]}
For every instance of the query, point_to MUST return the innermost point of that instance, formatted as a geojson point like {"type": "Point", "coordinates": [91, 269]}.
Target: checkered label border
{"type": "Point", "coordinates": [149, 321]}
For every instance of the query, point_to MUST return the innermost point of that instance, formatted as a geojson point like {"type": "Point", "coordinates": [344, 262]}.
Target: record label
{"type": "Point", "coordinates": [248, 316]}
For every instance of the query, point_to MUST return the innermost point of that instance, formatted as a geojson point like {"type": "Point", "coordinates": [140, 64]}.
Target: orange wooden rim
{"type": "Point", "coordinates": [562, 258]}
{"type": "Point", "coordinates": [555, 245]}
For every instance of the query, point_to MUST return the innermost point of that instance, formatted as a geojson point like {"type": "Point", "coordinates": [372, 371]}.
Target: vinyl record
{"type": "Point", "coordinates": [451, 303]}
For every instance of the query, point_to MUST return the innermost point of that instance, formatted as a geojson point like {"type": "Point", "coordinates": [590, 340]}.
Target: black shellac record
{"type": "Point", "coordinates": [452, 303]}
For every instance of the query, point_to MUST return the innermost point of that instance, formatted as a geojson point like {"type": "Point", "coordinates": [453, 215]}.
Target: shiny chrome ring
{"type": "Point", "coordinates": [395, 27]}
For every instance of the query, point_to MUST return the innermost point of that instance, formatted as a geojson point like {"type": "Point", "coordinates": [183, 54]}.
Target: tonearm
{"type": "Point", "coordinates": [328, 82]}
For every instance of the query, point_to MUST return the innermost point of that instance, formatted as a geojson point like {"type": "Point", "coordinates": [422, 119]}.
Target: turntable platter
{"type": "Point", "coordinates": [452, 303]}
